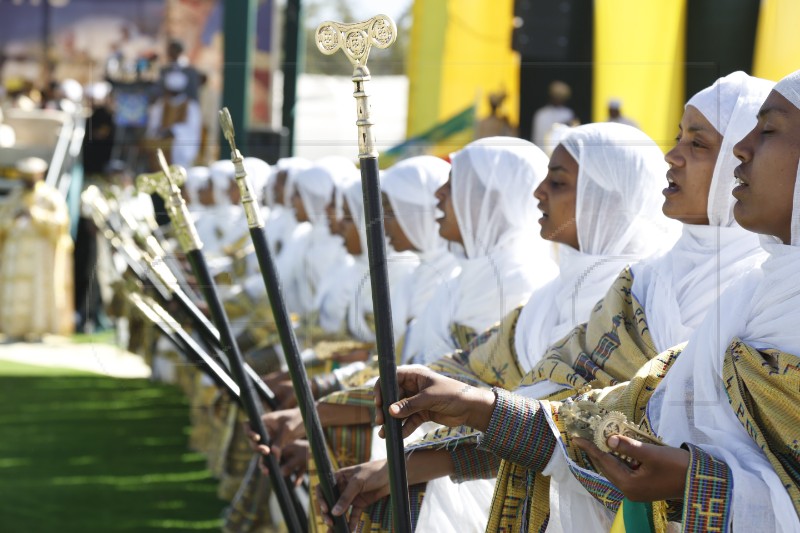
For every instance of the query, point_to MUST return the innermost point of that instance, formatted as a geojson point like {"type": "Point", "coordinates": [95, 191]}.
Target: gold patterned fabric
{"type": "Point", "coordinates": [610, 349]}
{"type": "Point", "coordinates": [763, 388]}
{"type": "Point", "coordinates": [521, 501]}
{"type": "Point", "coordinates": [36, 294]}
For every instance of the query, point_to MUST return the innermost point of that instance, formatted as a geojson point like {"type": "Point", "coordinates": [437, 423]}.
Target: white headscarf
{"type": "Point", "coordinates": [411, 187]}
{"type": "Point", "coordinates": [350, 298]}
{"type": "Point", "coordinates": [258, 171]}
{"type": "Point", "coordinates": [344, 175]}
{"type": "Point", "coordinates": [492, 183]}
{"type": "Point", "coordinates": [292, 165]}
{"type": "Point", "coordinates": [196, 179]}
{"type": "Point", "coordinates": [222, 173]}
{"type": "Point", "coordinates": [677, 289]}
{"type": "Point", "coordinates": [224, 223]}
{"type": "Point", "coordinates": [691, 404]}
{"type": "Point", "coordinates": [728, 105]}
{"type": "Point", "coordinates": [281, 224]}
{"type": "Point", "coordinates": [789, 88]}
{"type": "Point", "coordinates": [619, 221]}
{"type": "Point", "coordinates": [306, 260]}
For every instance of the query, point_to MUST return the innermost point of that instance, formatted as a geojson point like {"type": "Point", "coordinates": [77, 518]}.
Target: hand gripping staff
{"type": "Point", "coordinates": [297, 372]}
{"type": "Point", "coordinates": [356, 40]}
{"type": "Point", "coordinates": [191, 245]}
{"type": "Point", "coordinates": [156, 272]}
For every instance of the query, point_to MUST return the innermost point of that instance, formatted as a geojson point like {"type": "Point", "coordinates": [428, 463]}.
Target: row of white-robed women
{"type": "Point", "coordinates": [729, 396]}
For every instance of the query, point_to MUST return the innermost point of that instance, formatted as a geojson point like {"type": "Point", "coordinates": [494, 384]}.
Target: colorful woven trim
{"type": "Point", "coordinates": [518, 432]}
{"type": "Point", "coordinates": [706, 500]}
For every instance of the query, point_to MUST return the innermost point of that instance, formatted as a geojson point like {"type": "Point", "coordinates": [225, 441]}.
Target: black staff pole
{"type": "Point", "coordinates": [156, 272]}
{"type": "Point", "coordinates": [191, 245]}
{"type": "Point", "coordinates": [356, 40]}
{"type": "Point", "coordinates": [185, 343]}
{"type": "Point", "coordinates": [297, 372]}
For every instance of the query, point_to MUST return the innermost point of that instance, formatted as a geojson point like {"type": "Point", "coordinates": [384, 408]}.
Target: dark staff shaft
{"type": "Point", "coordinates": [184, 342]}
{"type": "Point", "coordinates": [188, 346]}
{"type": "Point", "coordinates": [212, 337]}
{"type": "Point", "coordinates": [384, 337]}
{"type": "Point", "coordinates": [305, 399]}
{"type": "Point", "coordinates": [251, 405]}
{"type": "Point", "coordinates": [206, 328]}
{"type": "Point", "coordinates": [214, 367]}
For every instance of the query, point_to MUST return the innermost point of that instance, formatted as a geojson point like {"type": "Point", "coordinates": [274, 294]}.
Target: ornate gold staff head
{"type": "Point", "coordinates": [356, 38]}
{"type": "Point", "coordinates": [251, 210]}
{"type": "Point", "coordinates": [165, 184]}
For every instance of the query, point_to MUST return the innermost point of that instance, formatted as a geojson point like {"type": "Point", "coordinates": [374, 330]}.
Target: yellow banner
{"type": "Point", "coordinates": [777, 51]}
{"type": "Point", "coordinates": [639, 51]}
{"type": "Point", "coordinates": [460, 53]}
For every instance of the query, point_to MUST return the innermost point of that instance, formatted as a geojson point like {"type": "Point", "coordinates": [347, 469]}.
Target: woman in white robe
{"type": "Point", "coordinates": [409, 189]}
{"type": "Point", "coordinates": [490, 190]}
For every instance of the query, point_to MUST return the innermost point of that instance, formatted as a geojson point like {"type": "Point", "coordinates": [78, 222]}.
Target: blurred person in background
{"type": "Point", "coordinates": [35, 258]}
{"type": "Point", "coordinates": [174, 121]}
{"type": "Point", "coordinates": [615, 113]}
{"type": "Point", "coordinates": [99, 139]}
{"type": "Point", "coordinates": [555, 112]}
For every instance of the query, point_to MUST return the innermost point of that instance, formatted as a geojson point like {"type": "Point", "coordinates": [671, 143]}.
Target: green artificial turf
{"type": "Point", "coordinates": [88, 453]}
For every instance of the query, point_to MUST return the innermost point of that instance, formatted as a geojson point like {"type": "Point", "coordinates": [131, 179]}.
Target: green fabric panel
{"type": "Point", "coordinates": [439, 132]}
{"type": "Point", "coordinates": [720, 38]}
{"type": "Point", "coordinates": [638, 516]}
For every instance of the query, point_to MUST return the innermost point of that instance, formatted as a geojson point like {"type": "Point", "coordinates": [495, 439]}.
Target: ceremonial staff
{"type": "Point", "coordinates": [297, 372]}
{"type": "Point", "coordinates": [149, 238]}
{"type": "Point", "coordinates": [184, 342]}
{"type": "Point", "coordinates": [191, 245]}
{"type": "Point", "coordinates": [356, 40]}
{"type": "Point", "coordinates": [158, 273]}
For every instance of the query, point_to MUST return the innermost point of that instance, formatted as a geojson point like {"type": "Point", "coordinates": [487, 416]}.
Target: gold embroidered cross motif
{"type": "Point", "coordinates": [711, 515]}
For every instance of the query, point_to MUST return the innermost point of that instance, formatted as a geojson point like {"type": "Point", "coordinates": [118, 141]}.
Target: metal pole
{"type": "Point", "coordinates": [297, 372]}
{"type": "Point", "coordinates": [356, 40]}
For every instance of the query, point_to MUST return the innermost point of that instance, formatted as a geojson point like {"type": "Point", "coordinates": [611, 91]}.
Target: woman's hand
{"type": "Point", "coordinates": [430, 397]}
{"type": "Point", "coordinates": [359, 486]}
{"type": "Point", "coordinates": [652, 473]}
{"type": "Point", "coordinates": [281, 385]}
{"type": "Point", "coordinates": [283, 427]}
{"type": "Point", "coordinates": [294, 460]}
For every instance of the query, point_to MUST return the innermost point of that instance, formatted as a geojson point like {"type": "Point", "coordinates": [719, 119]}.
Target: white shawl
{"type": "Point", "coordinates": [492, 183]}
{"type": "Point", "coordinates": [309, 257]}
{"type": "Point", "coordinates": [691, 405]}
{"type": "Point", "coordinates": [410, 187]}
{"type": "Point", "coordinates": [348, 295]}
{"type": "Point", "coordinates": [678, 288]}
{"type": "Point", "coordinates": [619, 221]}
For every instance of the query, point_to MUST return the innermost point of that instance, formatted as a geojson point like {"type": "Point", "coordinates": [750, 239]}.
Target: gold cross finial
{"type": "Point", "coordinates": [159, 182]}
{"type": "Point", "coordinates": [356, 38]}
{"type": "Point", "coordinates": [226, 123]}
{"type": "Point", "coordinates": [165, 184]}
